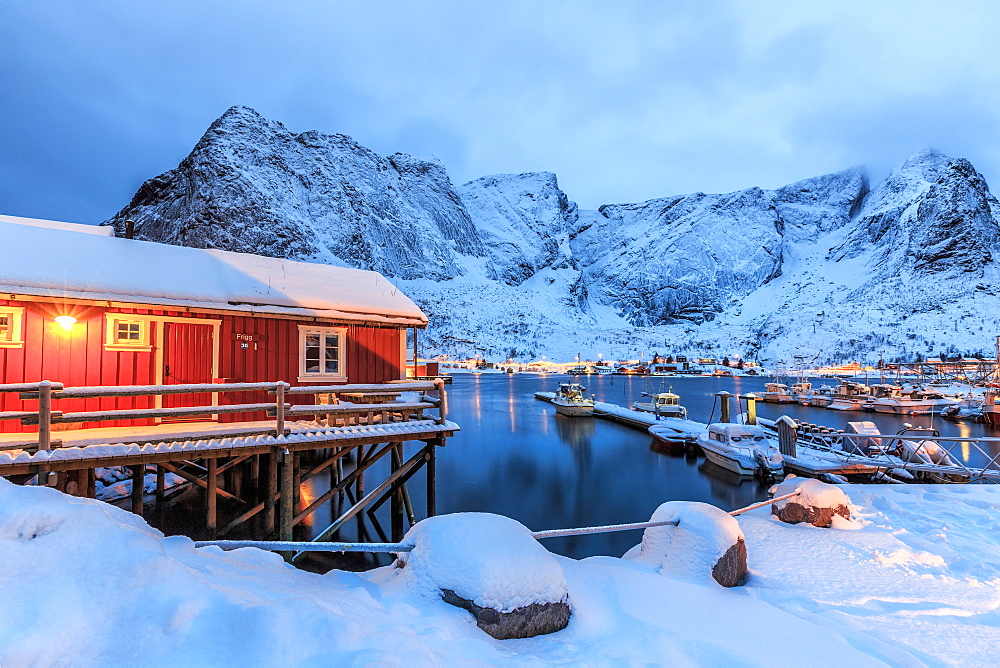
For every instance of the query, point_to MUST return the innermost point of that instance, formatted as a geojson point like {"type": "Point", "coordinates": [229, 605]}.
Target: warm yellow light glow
{"type": "Point", "coordinates": [66, 321]}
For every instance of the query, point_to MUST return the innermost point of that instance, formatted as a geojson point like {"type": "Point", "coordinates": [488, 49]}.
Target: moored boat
{"type": "Point", "coordinates": [664, 404]}
{"type": "Point", "coordinates": [777, 393]}
{"type": "Point", "coordinates": [570, 401]}
{"type": "Point", "coordinates": [743, 449]}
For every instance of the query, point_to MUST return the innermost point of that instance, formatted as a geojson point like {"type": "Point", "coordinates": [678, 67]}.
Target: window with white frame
{"type": "Point", "coordinates": [321, 353]}
{"type": "Point", "coordinates": [127, 333]}
{"type": "Point", "coordinates": [11, 326]}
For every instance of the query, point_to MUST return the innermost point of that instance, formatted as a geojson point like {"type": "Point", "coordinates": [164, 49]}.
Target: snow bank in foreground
{"type": "Point", "coordinates": [84, 583]}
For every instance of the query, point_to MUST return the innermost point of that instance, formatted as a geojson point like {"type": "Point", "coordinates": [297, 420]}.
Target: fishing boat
{"type": "Point", "coordinates": [743, 449]}
{"type": "Point", "coordinates": [664, 404]}
{"type": "Point", "coordinates": [777, 393]}
{"type": "Point", "coordinates": [850, 396]}
{"type": "Point", "coordinates": [819, 397]}
{"type": "Point", "coordinates": [570, 401]}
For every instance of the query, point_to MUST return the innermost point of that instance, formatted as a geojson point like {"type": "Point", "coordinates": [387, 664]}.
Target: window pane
{"type": "Point", "coordinates": [5, 329]}
{"type": "Point", "coordinates": [128, 331]}
{"type": "Point", "coordinates": [332, 355]}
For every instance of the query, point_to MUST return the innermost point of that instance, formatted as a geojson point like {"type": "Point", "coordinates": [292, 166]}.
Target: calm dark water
{"type": "Point", "coordinates": [516, 457]}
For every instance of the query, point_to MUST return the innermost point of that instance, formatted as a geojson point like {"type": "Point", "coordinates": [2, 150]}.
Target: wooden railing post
{"type": "Point", "coordinates": [279, 412]}
{"type": "Point", "coordinates": [45, 415]}
{"type": "Point", "coordinates": [443, 398]}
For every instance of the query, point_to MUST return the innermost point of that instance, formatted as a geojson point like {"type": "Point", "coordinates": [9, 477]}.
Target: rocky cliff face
{"type": "Point", "coordinates": [252, 186]}
{"type": "Point", "coordinates": [507, 265]}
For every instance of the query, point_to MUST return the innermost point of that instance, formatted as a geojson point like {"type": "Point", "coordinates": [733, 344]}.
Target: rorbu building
{"type": "Point", "coordinates": [84, 308]}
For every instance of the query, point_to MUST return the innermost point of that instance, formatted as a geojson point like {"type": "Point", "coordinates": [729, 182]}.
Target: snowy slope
{"type": "Point", "coordinates": [911, 581]}
{"type": "Point", "coordinates": [507, 265]}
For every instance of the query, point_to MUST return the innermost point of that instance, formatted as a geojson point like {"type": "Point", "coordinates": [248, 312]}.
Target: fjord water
{"type": "Point", "coordinates": [515, 456]}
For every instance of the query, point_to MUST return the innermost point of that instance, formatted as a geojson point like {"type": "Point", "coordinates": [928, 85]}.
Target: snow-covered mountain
{"type": "Point", "coordinates": [508, 266]}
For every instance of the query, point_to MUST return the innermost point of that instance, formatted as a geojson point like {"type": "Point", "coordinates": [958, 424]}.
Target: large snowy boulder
{"type": "Point", "coordinates": [705, 541]}
{"type": "Point", "coordinates": [817, 502]}
{"type": "Point", "coordinates": [493, 567]}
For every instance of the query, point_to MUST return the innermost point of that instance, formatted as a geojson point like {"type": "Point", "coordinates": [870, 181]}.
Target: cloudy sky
{"type": "Point", "coordinates": [624, 101]}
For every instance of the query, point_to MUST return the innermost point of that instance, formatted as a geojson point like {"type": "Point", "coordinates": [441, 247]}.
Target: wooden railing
{"type": "Point", "coordinates": [337, 410]}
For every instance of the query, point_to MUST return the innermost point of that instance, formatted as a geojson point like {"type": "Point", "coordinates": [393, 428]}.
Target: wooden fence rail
{"type": "Point", "coordinates": [45, 392]}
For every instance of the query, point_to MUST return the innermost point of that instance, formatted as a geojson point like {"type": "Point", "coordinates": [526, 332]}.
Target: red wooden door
{"type": "Point", "coordinates": [187, 358]}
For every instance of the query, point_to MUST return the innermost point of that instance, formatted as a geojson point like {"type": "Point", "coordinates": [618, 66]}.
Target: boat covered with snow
{"type": "Point", "coordinates": [664, 404]}
{"type": "Point", "coordinates": [570, 401]}
{"type": "Point", "coordinates": [742, 448]}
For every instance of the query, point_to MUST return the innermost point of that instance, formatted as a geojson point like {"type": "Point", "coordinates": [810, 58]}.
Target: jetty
{"type": "Point", "coordinates": [326, 427]}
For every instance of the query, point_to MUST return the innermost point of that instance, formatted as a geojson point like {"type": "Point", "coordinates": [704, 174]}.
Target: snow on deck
{"type": "Point", "coordinates": [911, 581]}
{"type": "Point", "coordinates": [205, 442]}
{"type": "Point", "coordinates": [89, 266]}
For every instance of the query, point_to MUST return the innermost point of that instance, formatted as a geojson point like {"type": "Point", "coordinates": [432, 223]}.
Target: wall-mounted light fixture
{"type": "Point", "coordinates": [66, 321]}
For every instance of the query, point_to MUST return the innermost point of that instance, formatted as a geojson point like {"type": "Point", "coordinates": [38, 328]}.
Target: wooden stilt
{"type": "Point", "coordinates": [270, 523]}
{"type": "Point", "coordinates": [396, 502]}
{"type": "Point", "coordinates": [161, 483]}
{"type": "Point", "coordinates": [91, 483]}
{"type": "Point", "coordinates": [296, 478]}
{"type": "Point", "coordinates": [213, 497]}
{"type": "Point", "coordinates": [432, 479]}
{"type": "Point", "coordinates": [255, 476]}
{"type": "Point", "coordinates": [287, 512]}
{"type": "Point", "coordinates": [138, 483]}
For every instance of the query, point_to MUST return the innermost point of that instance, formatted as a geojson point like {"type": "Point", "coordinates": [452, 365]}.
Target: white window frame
{"type": "Point", "coordinates": [111, 340]}
{"type": "Point", "coordinates": [341, 374]}
{"type": "Point", "coordinates": [16, 337]}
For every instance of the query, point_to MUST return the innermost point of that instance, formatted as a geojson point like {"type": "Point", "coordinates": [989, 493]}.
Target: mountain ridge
{"type": "Point", "coordinates": [508, 266]}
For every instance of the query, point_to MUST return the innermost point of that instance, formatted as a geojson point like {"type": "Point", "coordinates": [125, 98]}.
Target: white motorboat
{"type": "Point", "coordinates": [742, 448]}
{"type": "Point", "coordinates": [914, 402]}
{"type": "Point", "coordinates": [664, 404]}
{"type": "Point", "coordinates": [570, 401]}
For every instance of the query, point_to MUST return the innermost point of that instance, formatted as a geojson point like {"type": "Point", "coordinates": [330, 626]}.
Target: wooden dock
{"type": "Point", "coordinates": [207, 454]}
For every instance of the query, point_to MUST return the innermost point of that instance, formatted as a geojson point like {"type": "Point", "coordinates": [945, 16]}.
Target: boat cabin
{"type": "Point", "coordinates": [736, 434]}
{"type": "Point", "coordinates": [83, 308]}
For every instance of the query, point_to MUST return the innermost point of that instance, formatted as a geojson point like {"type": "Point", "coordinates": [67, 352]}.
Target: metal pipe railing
{"type": "Point", "coordinates": [310, 546]}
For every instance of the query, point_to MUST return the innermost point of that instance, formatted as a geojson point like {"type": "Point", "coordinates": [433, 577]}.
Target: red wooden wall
{"type": "Point", "coordinates": [78, 357]}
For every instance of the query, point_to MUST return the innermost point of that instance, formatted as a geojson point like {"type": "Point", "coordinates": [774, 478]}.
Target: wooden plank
{"type": "Point", "coordinates": [141, 413]}
{"type": "Point", "coordinates": [356, 409]}
{"type": "Point", "coordinates": [364, 387]}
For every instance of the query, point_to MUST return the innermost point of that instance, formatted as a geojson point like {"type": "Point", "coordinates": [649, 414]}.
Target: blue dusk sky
{"type": "Point", "coordinates": [624, 101]}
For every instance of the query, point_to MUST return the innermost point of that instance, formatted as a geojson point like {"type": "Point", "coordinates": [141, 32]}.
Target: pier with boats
{"type": "Point", "coordinates": [748, 445]}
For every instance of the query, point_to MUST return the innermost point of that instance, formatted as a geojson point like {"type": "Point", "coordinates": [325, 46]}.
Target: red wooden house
{"type": "Point", "coordinates": [83, 308]}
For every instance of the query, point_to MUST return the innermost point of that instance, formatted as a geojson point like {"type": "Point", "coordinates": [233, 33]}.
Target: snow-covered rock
{"type": "Point", "coordinates": [491, 566]}
{"type": "Point", "coordinates": [817, 502]}
{"type": "Point", "coordinates": [706, 542]}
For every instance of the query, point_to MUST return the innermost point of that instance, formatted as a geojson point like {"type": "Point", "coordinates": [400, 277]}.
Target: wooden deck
{"type": "Point", "coordinates": [206, 453]}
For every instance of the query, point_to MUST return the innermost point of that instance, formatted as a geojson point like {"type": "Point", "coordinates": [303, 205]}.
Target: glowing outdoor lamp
{"type": "Point", "coordinates": [66, 321]}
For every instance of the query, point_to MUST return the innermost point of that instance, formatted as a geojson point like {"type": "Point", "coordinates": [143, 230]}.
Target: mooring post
{"type": "Point", "coordinates": [213, 481]}
{"type": "Point", "coordinates": [138, 483]}
{"type": "Point", "coordinates": [725, 415]}
{"type": "Point", "coordinates": [751, 400]}
{"type": "Point", "coordinates": [787, 435]}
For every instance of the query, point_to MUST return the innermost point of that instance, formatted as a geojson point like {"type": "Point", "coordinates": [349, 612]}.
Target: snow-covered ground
{"type": "Point", "coordinates": [913, 580]}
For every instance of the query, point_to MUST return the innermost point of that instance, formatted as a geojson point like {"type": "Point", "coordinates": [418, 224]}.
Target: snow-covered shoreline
{"type": "Point", "coordinates": [911, 581]}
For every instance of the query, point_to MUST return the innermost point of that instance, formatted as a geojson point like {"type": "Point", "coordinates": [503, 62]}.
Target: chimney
{"type": "Point", "coordinates": [129, 228]}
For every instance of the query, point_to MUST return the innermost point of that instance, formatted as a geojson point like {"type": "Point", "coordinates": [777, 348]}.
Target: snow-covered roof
{"type": "Point", "coordinates": [52, 261]}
